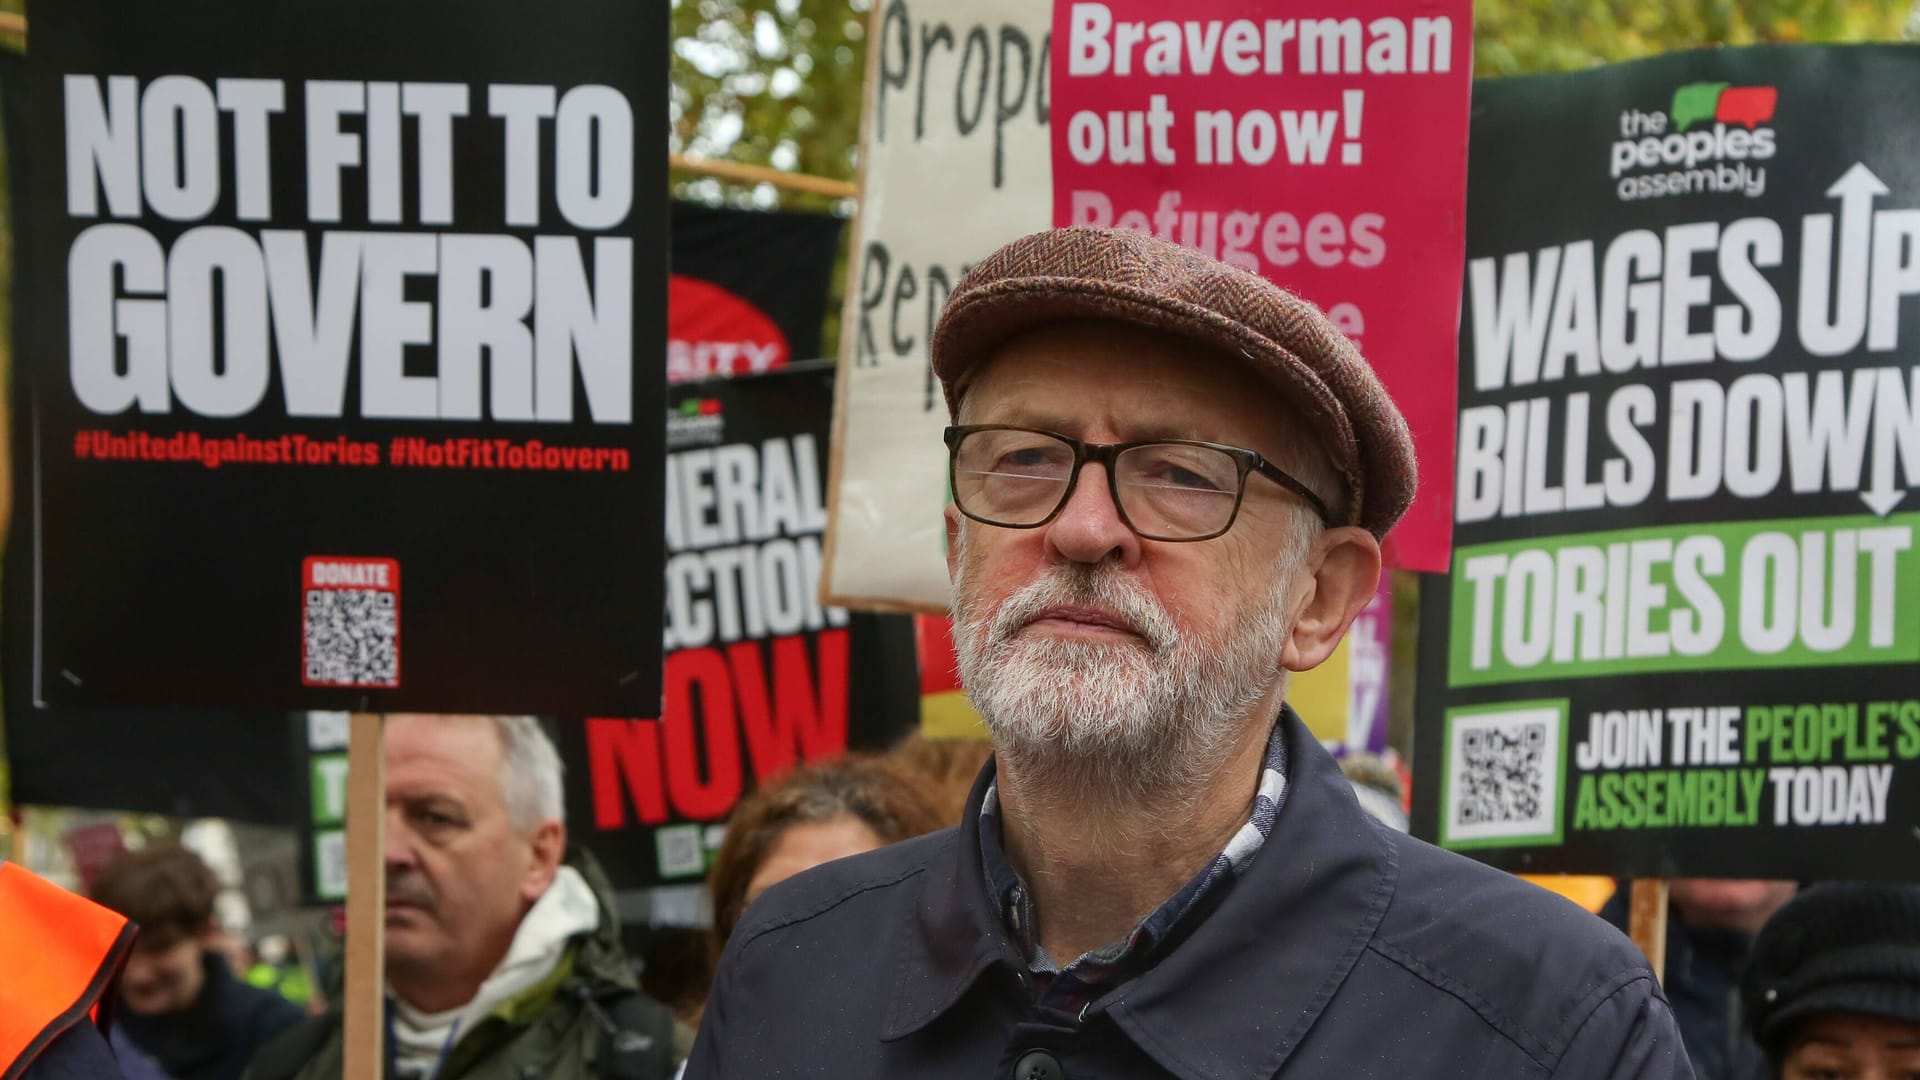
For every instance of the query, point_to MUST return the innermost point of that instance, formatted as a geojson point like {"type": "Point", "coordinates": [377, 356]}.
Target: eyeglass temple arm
{"type": "Point", "coordinates": [1272, 472]}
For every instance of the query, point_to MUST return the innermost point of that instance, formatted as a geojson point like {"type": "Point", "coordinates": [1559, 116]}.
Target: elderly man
{"type": "Point", "coordinates": [503, 958]}
{"type": "Point", "coordinates": [1170, 480]}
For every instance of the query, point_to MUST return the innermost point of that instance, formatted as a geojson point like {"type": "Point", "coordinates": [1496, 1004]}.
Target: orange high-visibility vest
{"type": "Point", "coordinates": [58, 954]}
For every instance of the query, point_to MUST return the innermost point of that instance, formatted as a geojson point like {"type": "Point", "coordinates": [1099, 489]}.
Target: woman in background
{"type": "Point", "coordinates": [818, 813]}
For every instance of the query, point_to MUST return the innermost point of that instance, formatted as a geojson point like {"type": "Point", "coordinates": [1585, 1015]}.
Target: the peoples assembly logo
{"type": "Point", "coordinates": [695, 422]}
{"type": "Point", "coordinates": [1675, 153]}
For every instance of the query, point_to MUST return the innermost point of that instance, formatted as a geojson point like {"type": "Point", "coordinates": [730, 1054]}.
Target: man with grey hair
{"type": "Point", "coordinates": [503, 953]}
{"type": "Point", "coordinates": [1170, 484]}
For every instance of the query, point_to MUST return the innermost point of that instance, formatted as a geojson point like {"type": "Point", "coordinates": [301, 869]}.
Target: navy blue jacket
{"type": "Point", "coordinates": [1703, 984]}
{"type": "Point", "coordinates": [1347, 950]}
{"type": "Point", "coordinates": [215, 1037]}
{"type": "Point", "coordinates": [78, 1053]}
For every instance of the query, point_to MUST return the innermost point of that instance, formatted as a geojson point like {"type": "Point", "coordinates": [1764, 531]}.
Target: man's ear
{"type": "Point", "coordinates": [1341, 572]}
{"type": "Point", "coordinates": [549, 843]}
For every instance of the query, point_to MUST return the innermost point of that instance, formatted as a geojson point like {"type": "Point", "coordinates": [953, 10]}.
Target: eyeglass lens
{"type": "Point", "coordinates": [1167, 490]}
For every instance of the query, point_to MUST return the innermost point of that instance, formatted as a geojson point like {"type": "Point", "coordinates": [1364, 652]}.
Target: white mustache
{"type": "Point", "coordinates": [1080, 585]}
{"type": "Point", "coordinates": [408, 888]}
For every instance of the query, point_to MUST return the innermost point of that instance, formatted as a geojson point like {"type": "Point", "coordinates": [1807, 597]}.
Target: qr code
{"type": "Point", "coordinates": [1503, 774]}
{"type": "Point", "coordinates": [352, 638]}
{"type": "Point", "coordinates": [679, 851]}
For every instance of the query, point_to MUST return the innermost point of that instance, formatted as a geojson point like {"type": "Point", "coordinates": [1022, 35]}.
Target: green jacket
{"type": "Point", "coordinates": [586, 1021]}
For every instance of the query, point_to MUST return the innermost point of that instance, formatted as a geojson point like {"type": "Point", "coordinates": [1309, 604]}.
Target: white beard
{"type": "Point", "coordinates": [1153, 716]}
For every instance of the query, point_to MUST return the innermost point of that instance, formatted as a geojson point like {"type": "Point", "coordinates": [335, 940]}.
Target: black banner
{"type": "Point", "coordinates": [181, 764]}
{"type": "Point", "coordinates": [1683, 623]}
{"type": "Point", "coordinates": [338, 357]}
{"type": "Point", "coordinates": [759, 676]}
{"type": "Point", "coordinates": [264, 767]}
{"type": "Point", "coordinates": [748, 290]}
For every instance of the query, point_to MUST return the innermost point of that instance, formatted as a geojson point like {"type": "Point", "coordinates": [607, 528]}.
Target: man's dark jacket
{"type": "Point", "coordinates": [1346, 950]}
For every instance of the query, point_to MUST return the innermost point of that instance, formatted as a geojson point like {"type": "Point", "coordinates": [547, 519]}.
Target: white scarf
{"type": "Point", "coordinates": [422, 1040]}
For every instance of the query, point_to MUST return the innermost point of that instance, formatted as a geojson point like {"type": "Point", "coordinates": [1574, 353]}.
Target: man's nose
{"type": "Point", "coordinates": [399, 840]}
{"type": "Point", "coordinates": [1089, 529]}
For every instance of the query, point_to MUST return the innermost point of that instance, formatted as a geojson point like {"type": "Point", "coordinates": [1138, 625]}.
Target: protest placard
{"type": "Point", "coordinates": [1680, 632]}
{"type": "Point", "coordinates": [337, 358]}
{"type": "Point", "coordinates": [320, 751]}
{"type": "Point", "coordinates": [1278, 137]}
{"type": "Point", "coordinates": [954, 163]}
{"type": "Point", "coordinates": [1283, 137]}
{"type": "Point", "coordinates": [181, 764]}
{"type": "Point", "coordinates": [747, 291]}
{"type": "Point", "coordinates": [760, 677]}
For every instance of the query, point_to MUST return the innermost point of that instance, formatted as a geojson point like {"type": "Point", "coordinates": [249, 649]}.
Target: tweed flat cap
{"type": "Point", "coordinates": [1126, 276]}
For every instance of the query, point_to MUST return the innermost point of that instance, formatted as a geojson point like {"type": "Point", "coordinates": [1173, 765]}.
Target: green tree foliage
{"type": "Point", "coordinates": [1518, 37]}
{"type": "Point", "coordinates": [772, 82]}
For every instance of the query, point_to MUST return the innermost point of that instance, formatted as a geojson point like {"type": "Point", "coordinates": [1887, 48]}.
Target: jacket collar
{"type": "Point", "coordinates": [953, 932]}
{"type": "Point", "coordinates": [601, 958]}
{"type": "Point", "coordinates": [1238, 995]}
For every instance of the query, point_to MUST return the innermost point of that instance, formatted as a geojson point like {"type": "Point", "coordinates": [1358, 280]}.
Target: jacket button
{"type": "Point", "coordinates": [1038, 1065]}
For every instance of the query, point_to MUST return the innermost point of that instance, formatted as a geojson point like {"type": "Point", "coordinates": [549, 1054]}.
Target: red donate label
{"type": "Point", "coordinates": [1321, 145]}
{"type": "Point", "coordinates": [350, 621]}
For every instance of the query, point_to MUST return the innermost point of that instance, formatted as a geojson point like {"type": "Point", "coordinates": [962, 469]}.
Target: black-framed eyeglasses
{"type": "Point", "coordinates": [1164, 489]}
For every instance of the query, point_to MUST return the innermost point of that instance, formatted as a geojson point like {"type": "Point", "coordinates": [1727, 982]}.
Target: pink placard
{"type": "Point", "coordinates": [1320, 144]}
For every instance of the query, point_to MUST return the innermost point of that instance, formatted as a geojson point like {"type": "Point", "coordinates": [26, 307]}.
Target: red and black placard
{"type": "Point", "coordinates": [310, 287]}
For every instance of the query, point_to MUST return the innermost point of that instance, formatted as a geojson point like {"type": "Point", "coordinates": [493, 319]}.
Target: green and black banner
{"type": "Point", "coordinates": [1682, 630]}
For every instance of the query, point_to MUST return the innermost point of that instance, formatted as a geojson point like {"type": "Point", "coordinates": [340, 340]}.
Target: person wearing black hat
{"type": "Point", "coordinates": [1833, 989]}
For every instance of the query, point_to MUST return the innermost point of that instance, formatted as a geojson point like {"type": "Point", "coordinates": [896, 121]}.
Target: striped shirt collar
{"type": "Point", "coordinates": [1074, 986]}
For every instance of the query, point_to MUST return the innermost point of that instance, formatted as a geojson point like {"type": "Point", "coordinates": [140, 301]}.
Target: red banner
{"type": "Point", "coordinates": [1323, 146]}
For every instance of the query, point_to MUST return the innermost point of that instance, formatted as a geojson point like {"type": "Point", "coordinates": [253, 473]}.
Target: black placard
{"type": "Point", "coordinates": [1683, 623]}
{"type": "Point", "coordinates": [749, 289]}
{"type": "Point", "coordinates": [338, 357]}
{"type": "Point", "coordinates": [759, 676]}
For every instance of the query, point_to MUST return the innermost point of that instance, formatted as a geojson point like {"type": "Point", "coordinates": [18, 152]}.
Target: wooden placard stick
{"type": "Point", "coordinates": [741, 173]}
{"type": "Point", "coordinates": [365, 992]}
{"type": "Point", "coordinates": [1647, 922]}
